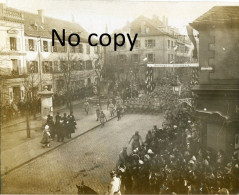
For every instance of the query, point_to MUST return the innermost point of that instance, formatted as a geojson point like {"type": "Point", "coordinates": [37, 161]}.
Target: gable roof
{"type": "Point", "coordinates": [219, 15]}
{"type": "Point", "coordinates": [33, 26]}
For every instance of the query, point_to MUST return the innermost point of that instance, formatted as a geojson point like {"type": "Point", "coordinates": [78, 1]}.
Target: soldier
{"type": "Point", "coordinates": [87, 107]}
{"type": "Point", "coordinates": [114, 186]}
{"type": "Point", "coordinates": [123, 156]}
{"type": "Point", "coordinates": [111, 108]}
{"type": "Point", "coordinates": [102, 118]}
{"type": "Point", "coordinates": [136, 140]}
{"type": "Point", "coordinates": [98, 112]}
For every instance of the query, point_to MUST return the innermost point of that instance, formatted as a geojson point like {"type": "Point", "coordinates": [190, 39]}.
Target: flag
{"type": "Point", "coordinates": [192, 38]}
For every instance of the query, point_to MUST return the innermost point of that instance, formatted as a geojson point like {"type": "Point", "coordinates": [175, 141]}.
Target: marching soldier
{"type": "Point", "coordinates": [111, 108]}
{"type": "Point", "coordinates": [87, 107]}
{"type": "Point", "coordinates": [136, 140]}
{"type": "Point", "coordinates": [102, 118]}
{"type": "Point", "coordinates": [98, 112]}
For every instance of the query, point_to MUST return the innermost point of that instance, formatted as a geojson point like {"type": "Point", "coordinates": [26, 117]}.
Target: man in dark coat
{"type": "Point", "coordinates": [60, 131]}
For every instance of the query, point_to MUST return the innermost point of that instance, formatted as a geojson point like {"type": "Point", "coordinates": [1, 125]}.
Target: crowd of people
{"type": "Point", "coordinates": [62, 128]}
{"type": "Point", "coordinates": [171, 160]}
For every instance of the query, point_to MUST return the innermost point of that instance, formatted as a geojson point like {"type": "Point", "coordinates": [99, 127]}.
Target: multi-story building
{"type": "Point", "coordinates": [37, 59]}
{"type": "Point", "coordinates": [12, 53]}
{"type": "Point", "coordinates": [218, 90]}
{"type": "Point", "coordinates": [156, 41]}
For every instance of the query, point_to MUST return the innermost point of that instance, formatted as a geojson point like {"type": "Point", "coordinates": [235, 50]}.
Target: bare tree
{"type": "Point", "coordinates": [31, 83]}
{"type": "Point", "coordinates": [67, 68]}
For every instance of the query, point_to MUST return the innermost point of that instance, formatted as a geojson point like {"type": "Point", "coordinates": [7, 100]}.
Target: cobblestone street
{"type": "Point", "coordinates": [90, 157]}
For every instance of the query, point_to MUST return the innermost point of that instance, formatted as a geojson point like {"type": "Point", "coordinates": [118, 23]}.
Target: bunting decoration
{"type": "Point", "coordinates": [150, 84]}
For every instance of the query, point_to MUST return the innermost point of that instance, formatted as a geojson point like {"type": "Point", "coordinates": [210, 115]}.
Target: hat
{"type": "Point", "coordinates": [147, 156]}
{"type": "Point", "coordinates": [194, 158]}
{"type": "Point", "coordinates": [112, 173]}
{"type": "Point", "coordinates": [46, 127]}
{"type": "Point", "coordinates": [141, 162]}
{"type": "Point", "coordinates": [175, 126]}
{"type": "Point", "coordinates": [191, 162]}
{"type": "Point", "coordinates": [150, 151]}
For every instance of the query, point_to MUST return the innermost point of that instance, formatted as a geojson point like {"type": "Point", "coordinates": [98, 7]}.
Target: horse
{"type": "Point", "coordinates": [83, 189]}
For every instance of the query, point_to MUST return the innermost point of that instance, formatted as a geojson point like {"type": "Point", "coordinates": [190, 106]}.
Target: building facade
{"type": "Point", "coordinates": [32, 60]}
{"type": "Point", "coordinates": [157, 42]}
{"type": "Point", "coordinates": [218, 90]}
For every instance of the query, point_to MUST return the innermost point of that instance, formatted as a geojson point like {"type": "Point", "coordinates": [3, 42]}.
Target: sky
{"type": "Point", "coordinates": [94, 15]}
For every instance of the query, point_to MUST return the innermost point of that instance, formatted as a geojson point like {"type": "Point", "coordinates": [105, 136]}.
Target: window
{"type": "Point", "coordinates": [88, 49]}
{"type": "Point", "coordinates": [89, 65]}
{"type": "Point", "coordinates": [45, 46]}
{"type": "Point", "coordinates": [172, 44]}
{"type": "Point", "coordinates": [96, 49]}
{"type": "Point", "coordinates": [56, 67]}
{"type": "Point", "coordinates": [135, 57]}
{"type": "Point", "coordinates": [169, 60]}
{"type": "Point", "coordinates": [32, 66]}
{"type": "Point", "coordinates": [74, 49]}
{"type": "Point", "coordinates": [79, 65]}
{"type": "Point", "coordinates": [47, 67]}
{"type": "Point", "coordinates": [15, 67]}
{"type": "Point", "coordinates": [123, 46]}
{"type": "Point", "coordinates": [150, 43]}
{"type": "Point", "coordinates": [168, 44]}
{"type": "Point", "coordinates": [59, 48]}
{"type": "Point", "coordinates": [122, 59]}
{"type": "Point", "coordinates": [13, 43]}
{"type": "Point", "coordinates": [62, 65]}
{"type": "Point", "coordinates": [151, 57]}
{"type": "Point", "coordinates": [137, 44]}
{"type": "Point", "coordinates": [81, 49]}
{"type": "Point", "coordinates": [172, 58]}
{"type": "Point", "coordinates": [31, 45]}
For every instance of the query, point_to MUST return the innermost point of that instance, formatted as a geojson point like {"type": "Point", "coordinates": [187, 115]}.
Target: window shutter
{"type": "Point", "coordinates": [35, 45]}
{"type": "Point", "coordinates": [26, 45]}
{"type": "Point", "coordinates": [8, 43]}
{"type": "Point", "coordinates": [18, 44]}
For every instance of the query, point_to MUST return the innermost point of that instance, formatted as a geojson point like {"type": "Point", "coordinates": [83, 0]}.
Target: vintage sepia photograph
{"type": "Point", "coordinates": [119, 97]}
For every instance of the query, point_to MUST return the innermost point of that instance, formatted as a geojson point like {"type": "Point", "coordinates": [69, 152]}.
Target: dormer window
{"type": "Point", "coordinates": [13, 43]}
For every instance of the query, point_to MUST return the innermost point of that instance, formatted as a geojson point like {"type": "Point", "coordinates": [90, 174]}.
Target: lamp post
{"type": "Point", "coordinates": [131, 83]}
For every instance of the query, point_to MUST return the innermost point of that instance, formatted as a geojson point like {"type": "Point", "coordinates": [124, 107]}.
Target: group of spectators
{"type": "Point", "coordinates": [19, 108]}
{"type": "Point", "coordinates": [171, 161]}
{"type": "Point", "coordinates": [62, 128]}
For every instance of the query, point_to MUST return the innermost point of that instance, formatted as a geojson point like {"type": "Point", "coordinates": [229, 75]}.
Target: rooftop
{"type": "Point", "coordinates": [219, 15]}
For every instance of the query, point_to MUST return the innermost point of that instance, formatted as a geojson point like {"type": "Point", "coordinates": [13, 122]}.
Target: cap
{"type": "Point", "coordinates": [46, 127]}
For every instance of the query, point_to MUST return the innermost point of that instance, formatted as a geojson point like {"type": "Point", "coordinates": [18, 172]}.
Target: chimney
{"type": "Point", "coordinates": [40, 14]}
{"type": "Point", "coordinates": [166, 21]}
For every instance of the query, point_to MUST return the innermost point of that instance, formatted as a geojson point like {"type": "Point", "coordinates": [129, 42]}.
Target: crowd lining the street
{"type": "Point", "coordinates": [171, 161]}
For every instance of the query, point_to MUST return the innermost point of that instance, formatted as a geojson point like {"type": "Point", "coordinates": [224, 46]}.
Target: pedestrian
{"type": "Point", "coordinates": [70, 125]}
{"type": "Point", "coordinates": [73, 120]}
{"type": "Point", "coordinates": [103, 118]}
{"type": "Point", "coordinates": [118, 112]}
{"type": "Point", "coordinates": [60, 131]}
{"type": "Point", "coordinates": [114, 186]}
{"type": "Point", "coordinates": [51, 125]}
{"type": "Point", "coordinates": [87, 107]}
{"type": "Point", "coordinates": [46, 137]}
{"type": "Point", "coordinates": [111, 108]}
{"type": "Point", "coordinates": [98, 112]}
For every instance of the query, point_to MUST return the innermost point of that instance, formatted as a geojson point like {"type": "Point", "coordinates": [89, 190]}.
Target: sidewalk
{"type": "Point", "coordinates": [28, 149]}
{"type": "Point", "coordinates": [23, 118]}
